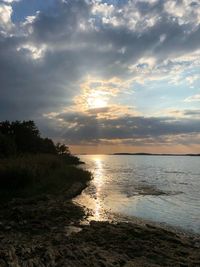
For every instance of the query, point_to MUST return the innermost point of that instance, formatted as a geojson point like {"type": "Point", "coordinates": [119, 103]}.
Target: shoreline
{"type": "Point", "coordinates": [48, 232]}
{"type": "Point", "coordinates": [110, 216]}
{"type": "Point", "coordinates": [141, 221]}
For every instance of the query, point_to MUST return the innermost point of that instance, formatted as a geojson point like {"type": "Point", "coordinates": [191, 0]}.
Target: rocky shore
{"type": "Point", "coordinates": [48, 232]}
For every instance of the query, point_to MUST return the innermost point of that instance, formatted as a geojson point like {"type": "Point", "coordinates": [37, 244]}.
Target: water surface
{"type": "Point", "coordinates": [163, 189]}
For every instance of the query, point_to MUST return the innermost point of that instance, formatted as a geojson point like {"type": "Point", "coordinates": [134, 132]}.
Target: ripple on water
{"type": "Point", "coordinates": [162, 189]}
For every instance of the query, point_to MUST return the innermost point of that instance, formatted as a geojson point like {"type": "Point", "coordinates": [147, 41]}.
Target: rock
{"type": "Point", "coordinates": [3, 263]}
{"type": "Point", "coordinates": [40, 240]}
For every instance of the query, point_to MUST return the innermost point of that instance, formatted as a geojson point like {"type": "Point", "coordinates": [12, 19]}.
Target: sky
{"type": "Point", "coordinates": [104, 76]}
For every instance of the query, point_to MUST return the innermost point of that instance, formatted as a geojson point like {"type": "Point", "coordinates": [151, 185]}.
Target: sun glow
{"type": "Point", "coordinates": [97, 99]}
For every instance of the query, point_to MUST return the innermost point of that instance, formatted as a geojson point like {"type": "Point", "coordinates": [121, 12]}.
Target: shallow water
{"type": "Point", "coordinates": [162, 189]}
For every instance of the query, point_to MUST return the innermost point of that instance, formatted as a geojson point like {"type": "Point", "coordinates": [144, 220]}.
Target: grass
{"type": "Point", "coordinates": [33, 175]}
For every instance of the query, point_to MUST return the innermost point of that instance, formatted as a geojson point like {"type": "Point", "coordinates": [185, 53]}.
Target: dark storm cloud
{"type": "Point", "coordinates": [27, 88]}
{"type": "Point", "coordinates": [192, 112]}
{"type": "Point", "coordinates": [146, 7]}
{"type": "Point", "coordinates": [62, 23]}
{"type": "Point", "coordinates": [31, 86]}
{"type": "Point", "coordinates": [43, 60]}
{"type": "Point", "coordinates": [86, 128]}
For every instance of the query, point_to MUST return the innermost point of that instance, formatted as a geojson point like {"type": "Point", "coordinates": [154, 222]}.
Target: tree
{"type": "Point", "coordinates": [62, 149]}
{"type": "Point", "coordinates": [26, 137]}
{"type": "Point", "coordinates": [5, 128]}
{"type": "Point", "coordinates": [7, 146]}
{"type": "Point", "coordinates": [47, 146]}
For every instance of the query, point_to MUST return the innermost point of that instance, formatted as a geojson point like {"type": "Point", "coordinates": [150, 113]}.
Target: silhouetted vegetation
{"type": "Point", "coordinates": [23, 137]}
{"type": "Point", "coordinates": [31, 165]}
{"type": "Point", "coordinates": [7, 146]}
{"type": "Point", "coordinates": [32, 175]}
{"type": "Point", "coordinates": [18, 138]}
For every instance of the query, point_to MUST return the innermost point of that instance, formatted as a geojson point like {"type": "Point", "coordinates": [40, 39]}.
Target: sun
{"type": "Point", "coordinates": [97, 103]}
{"type": "Point", "coordinates": [97, 100]}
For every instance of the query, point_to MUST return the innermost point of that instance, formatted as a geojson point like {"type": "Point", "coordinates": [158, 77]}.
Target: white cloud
{"type": "Point", "coordinates": [10, 1]}
{"type": "Point", "coordinates": [185, 11]}
{"type": "Point", "coordinates": [103, 9]}
{"type": "Point", "coordinates": [194, 98]}
{"type": "Point", "coordinates": [191, 79]}
{"type": "Point", "coordinates": [5, 17]}
{"type": "Point", "coordinates": [36, 52]}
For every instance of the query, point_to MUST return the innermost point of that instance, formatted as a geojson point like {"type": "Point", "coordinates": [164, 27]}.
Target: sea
{"type": "Point", "coordinates": [160, 189]}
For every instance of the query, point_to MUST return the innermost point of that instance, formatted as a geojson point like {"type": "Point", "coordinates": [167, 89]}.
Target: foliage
{"type": "Point", "coordinates": [7, 146]}
{"type": "Point", "coordinates": [20, 137]}
{"type": "Point", "coordinates": [30, 175]}
{"type": "Point", "coordinates": [32, 165]}
{"type": "Point", "coordinates": [26, 138]}
{"type": "Point", "coordinates": [62, 149]}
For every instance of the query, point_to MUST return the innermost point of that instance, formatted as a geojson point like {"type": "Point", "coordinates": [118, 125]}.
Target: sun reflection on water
{"type": "Point", "coordinates": [98, 182]}
{"type": "Point", "coordinates": [98, 174]}
{"type": "Point", "coordinates": [93, 197]}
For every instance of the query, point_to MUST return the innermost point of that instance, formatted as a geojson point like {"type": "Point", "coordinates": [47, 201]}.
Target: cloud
{"type": "Point", "coordinates": [82, 128]}
{"type": "Point", "coordinates": [191, 79]}
{"type": "Point", "coordinates": [58, 58]}
{"type": "Point", "coordinates": [182, 113]}
{"type": "Point", "coordinates": [193, 98]}
{"type": "Point", "coordinates": [10, 1]}
{"type": "Point", "coordinates": [5, 18]}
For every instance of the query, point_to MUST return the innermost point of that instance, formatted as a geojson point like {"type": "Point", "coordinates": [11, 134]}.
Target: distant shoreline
{"type": "Point", "coordinates": [142, 154]}
{"type": "Point", "coordinates": [154, 154]}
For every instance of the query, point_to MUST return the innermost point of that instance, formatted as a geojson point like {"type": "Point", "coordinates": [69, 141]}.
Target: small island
{"type": "Point", "coordinates": [41, 226]}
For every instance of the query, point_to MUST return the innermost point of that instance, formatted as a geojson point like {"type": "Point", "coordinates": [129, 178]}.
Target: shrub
{"type": "Point", "coordinates": [31, 175]}
{"type": "Point", "coordinates": [7, 146]}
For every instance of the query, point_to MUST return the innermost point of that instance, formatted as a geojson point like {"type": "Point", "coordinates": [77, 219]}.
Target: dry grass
{"type": "Point", "coordinates": [31, 175]}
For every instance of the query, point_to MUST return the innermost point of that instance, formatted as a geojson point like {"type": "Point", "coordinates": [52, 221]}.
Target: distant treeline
{"type": "Point", "coordinates": [153, 154]}
{"type": "Point", "coordinates": [21, 137]}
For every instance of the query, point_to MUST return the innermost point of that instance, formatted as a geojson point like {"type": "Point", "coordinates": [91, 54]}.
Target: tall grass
{"type": "Point", "coordinates": [31, 175]}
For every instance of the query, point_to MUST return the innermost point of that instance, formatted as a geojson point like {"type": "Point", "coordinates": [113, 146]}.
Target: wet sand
{"type": "Point", "coordinates": [49, 232]}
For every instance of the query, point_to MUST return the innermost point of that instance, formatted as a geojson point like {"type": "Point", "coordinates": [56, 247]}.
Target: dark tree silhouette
{"type": "Point", "coordinates": [21, 137]}
{"type": "Point", "coordinates": [47, 146]}
{"type": "Point", "coordinates": [26, 138]}
{"type": "Point", "coordinates": [7, 146]}
{"type": "Point", "coordinates": [5, 128]}
{"type": "Point", "coordinates": [62, 149]}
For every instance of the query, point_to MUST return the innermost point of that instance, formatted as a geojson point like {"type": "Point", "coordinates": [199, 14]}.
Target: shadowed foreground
{"type": "Point", "coordinates": [40, 226]}
{"type": "Point", "coordinates": [37, 233]}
